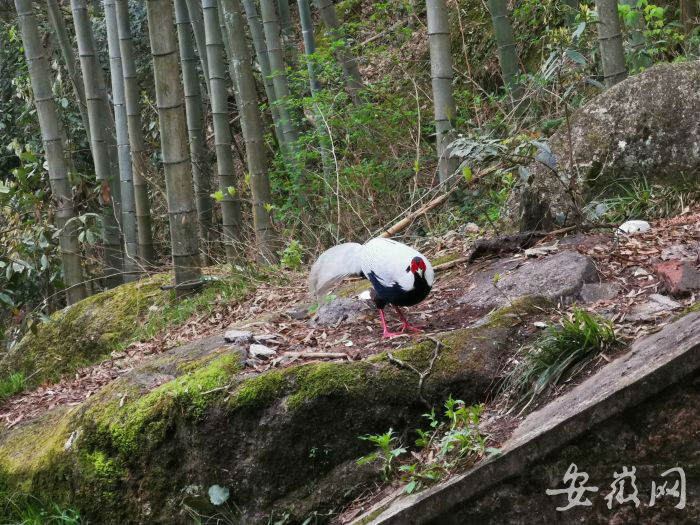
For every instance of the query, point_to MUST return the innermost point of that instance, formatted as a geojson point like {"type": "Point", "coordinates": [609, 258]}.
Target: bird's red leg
{"type": "Point", "coordinates": [387, 333]}
{"type": "Point", "coordinates": [406, 325]}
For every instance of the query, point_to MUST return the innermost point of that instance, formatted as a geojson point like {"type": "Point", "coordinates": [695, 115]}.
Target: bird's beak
{"type": "Point", "coordinates": [421, 272]}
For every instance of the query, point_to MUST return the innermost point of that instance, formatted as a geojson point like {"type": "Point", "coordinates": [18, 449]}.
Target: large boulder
{"type": "Point", "coordinates": [646, 126]}
{"type": "Point", "coordinates": [85, 332]}
{"type": "Point", "coordinates": [149, 445]}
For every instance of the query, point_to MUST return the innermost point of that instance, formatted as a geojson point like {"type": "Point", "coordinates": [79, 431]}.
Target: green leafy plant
{"type": "Point", "coordinates": [11, 386]}
{"type": "Point", "coordinates": [292, 255]}
{"type": "Point", "coordinates": [559, 354]}
{"type": "Point", "coordinates": [388, 451]}
{"type": "Point", "coordinates": [445, 445]}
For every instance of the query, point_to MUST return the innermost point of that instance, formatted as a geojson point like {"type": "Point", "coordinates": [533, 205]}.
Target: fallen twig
{"type": "Point", "coordinates": [421, 375]}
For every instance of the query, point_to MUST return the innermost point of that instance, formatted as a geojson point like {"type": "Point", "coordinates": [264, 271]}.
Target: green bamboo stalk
{"type": "Point", "coordinates": [278, 72]}
{"type": "Point", "coordinates": [230, 205]}
{"type": "Point", "coordinates": [307, 30]}
{"type": "Point", "coordinates": [347, 60]}
{"type": "Point", "coordinates": [507, 53]}
{"type": "Point", "coordinates": [176, 162]}
{"type": "Point", "coordinates": [441, 73]}
{"type": "Point", "coordinates": [59, 25]}
{"type": "Point", "coordinates": [287, 31]}
{"type": "Point", "coordinates": [195, 124]}
{"type": "Point", "coordinates": [131, 267]}
{"type": "Point", "coordinates": [96, 104]}
{"type": "Point", "coordinates": [40, 75]}
{"type": "Point", "coordinates": [252, 126]}
{"type": "Point", "coordinates": [138, 149]}
{"type": "Point", "coordinates": [612, 53]}
{"type": "Point", "coordinates": [195, 14]}
{"type": "Point", "coordinates": [258, 35]}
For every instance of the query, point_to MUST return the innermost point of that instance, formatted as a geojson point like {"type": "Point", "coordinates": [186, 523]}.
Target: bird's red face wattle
{"type": "Point", "coordinates": [417, 264]}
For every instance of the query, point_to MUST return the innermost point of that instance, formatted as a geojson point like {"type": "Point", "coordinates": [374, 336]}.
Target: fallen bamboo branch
{"type": "Point", "coordinates": [406, 221]}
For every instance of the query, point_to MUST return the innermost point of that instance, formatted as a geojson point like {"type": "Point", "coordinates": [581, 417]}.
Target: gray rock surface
{"type": "Point", "coordinates": [645, 126]}
{"type": "Point", "coordinates": [238, 337]}
{"type": "Point", "coordinates": [650, 310]}
{"type": "Point", "coordinates": [558, 277]}
{"type": "Point", "coordinates": [341, 310]}
{"type": "Point", "coordinates": [593, 292]}
{"type": "Point", "coordinates": [262, 351]}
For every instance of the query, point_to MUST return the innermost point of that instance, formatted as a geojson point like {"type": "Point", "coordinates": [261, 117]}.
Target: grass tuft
{"type": "Point", "coordinates": [12, 385]}
{"type": "Point", "coordinates": [559, 354]}
{"type": "Point", "coordinates": [24, 509]}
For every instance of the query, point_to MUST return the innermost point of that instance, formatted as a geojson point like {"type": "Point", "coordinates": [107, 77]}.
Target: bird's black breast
{"type": "Point", "coordinates": [394, 294]}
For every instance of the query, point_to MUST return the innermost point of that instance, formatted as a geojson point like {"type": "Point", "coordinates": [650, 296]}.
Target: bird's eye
{"type": "Point", "coordinates": [408, 269]}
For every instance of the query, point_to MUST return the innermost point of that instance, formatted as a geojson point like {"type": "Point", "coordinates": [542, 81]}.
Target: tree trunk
{"type": "Point", "coordinates": [258, 34]}
{"type": "Point", "coordinates": [230, 205]}
{"type": "Point", "coordinates": [307, 30]}
{"type": "Point", "coordinates": [253, 134]}
{"type": "Point", "coordinates": [347, 60]}
{"type": "Point", "coordinates": [612, 53]}
{"type": "Point", "coordinates": [96, 103]}
{"type": "Point", "coordinates": [138, 153]}
{"type": "Point", "coordinates": [441, 73]}
{"type": "Point", "coordinates": [40, 76]}
{"type": "Point", "coordinates": [131, 267]}
{"type": "Point", "coordinates": [59, 25]}
{"type": "Point", "coordinates": [689, 15]}
{"type": "Point", "coordinates": [195, 15]}
{"type": "Point", "coordinates": [195, 124]}
{"type": "Point", "coordinates": [278, 71]}
{"type": "Point", "coordinates": [176, 162]}
{"type": "Point", "coordinates": [507, 54]}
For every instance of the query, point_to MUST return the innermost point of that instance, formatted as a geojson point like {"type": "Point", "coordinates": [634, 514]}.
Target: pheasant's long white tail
{"type": "Point", "coordinates": [334, 265]}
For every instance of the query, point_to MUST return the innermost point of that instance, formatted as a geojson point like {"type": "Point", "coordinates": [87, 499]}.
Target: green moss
{"type": "Point", "coordinates": [324, 379]}
{"type": "Point", "coordinates": [144, 422]}
{"type": "Point", "coordinates": [445, 259]}
{"type": "Point", "coordinates": [99, 466]}
{"type": "Point", "coordinates": [85, 332]}
{"type": "Point", "coordinates": [261, 390]}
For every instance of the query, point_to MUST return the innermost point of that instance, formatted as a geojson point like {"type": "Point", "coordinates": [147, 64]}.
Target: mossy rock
{"type": "Point", "coordinates": [85, 332]}
{"type": "Point", "coordinates": [643, 128]}
{"type": "Point", "coordinates": [284, 441]}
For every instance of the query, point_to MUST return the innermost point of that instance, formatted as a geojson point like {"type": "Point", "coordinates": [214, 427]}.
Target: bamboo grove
{"type": "Point", "coordinates": [223, 70]}
{"type": "Point", "coordinates": [200, 55]}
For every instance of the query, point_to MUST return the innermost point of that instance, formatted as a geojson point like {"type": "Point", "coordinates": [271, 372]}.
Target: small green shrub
{"type": "Point", "coordinates": [292, 255]}
{"type": "Point", "coordinates": [440, 449]}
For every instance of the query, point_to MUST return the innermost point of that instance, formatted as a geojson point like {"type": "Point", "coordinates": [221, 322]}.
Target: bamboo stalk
{"type": "Point", "coordinates": [258, 35]}
{"type": "Point", "coordinates": [230, 205]}
{"type": "Point", "coordinates": [128, 209]}
{"type": "Point", "coordinates": [135, 130]}
{"type": "Point", "coordinates": [441, 74]}
{"type": "Point", "coordinates": [96, 102]}
{"type": "Point", "coordinates": [251, 124]}
{"type": "Point", "coordinates": [195, 124]}
{"type": "Point", "coordinates": [59, 24]}
{"type": "Point", "coordinates": [40, 74]}
{"type": "Point", "coordinates": [178, 170]}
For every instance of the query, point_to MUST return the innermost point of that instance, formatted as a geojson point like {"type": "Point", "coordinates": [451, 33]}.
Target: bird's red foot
{"type": "Point", "coordinates": [389, 334]}
{"type": "Point", "coordinates": [410, 328]}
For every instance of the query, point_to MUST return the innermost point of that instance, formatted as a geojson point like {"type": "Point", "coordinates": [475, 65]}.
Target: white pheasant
{"type": "Point", "coordinates": [400, 275]}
